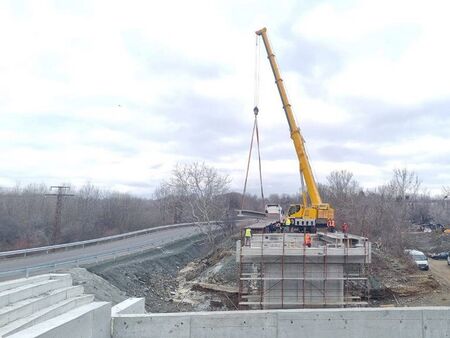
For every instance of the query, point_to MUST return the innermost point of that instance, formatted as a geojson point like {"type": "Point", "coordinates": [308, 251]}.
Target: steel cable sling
{"type": "Point", "coordinates": [255, 129]}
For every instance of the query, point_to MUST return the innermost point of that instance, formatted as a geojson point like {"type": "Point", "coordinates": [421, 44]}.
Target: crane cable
{"type": "Point", "coordinates": [255, 128]}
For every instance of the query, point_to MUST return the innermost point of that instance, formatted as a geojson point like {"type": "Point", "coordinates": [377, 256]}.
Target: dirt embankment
{"type": "Point", "coordinates": [168, 277]}
{"type": "Point", "coordinates": [96, 285]}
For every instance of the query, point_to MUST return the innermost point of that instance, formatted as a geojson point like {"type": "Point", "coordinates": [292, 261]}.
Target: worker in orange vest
{"type": "Point", "coordinates": [331, 225]}
{"type": "Point", "coordinates": [345, 229]}
{"type": "Point", "coordinates": [308, 240]}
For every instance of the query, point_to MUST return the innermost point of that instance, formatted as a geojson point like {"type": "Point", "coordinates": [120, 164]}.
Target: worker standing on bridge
{"type": "Point", "coordinates": [248, 236]}
{"type": "Point", "coordinates": [331, 225]}
{"type": "Point", "coordinates": [345, 229]}
{"type": "Point", "coordinates": [287, 223]}
{"type": "Point", "coordinates": [307, 241]}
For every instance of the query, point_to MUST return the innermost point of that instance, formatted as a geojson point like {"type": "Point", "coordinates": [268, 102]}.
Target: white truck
{"type": "Point", "coordinates": [274, 212]}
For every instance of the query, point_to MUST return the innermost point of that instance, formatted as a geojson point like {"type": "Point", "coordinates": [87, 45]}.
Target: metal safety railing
{"type": "Point", "coordinates": [84, 260]}
{"type": "Point", "coordinates": [82, 244]}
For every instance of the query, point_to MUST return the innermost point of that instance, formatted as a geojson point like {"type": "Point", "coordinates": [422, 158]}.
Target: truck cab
{"type": "Point", "coordinates": [274, 211]}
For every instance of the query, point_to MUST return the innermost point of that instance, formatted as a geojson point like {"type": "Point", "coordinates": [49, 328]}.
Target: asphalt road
{"type": "Point", "coordinates": [14, 267]}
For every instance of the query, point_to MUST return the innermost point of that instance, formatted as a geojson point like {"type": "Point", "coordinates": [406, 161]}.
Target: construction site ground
{"type": "Point", "coordinates": [397, 281]}
{"type": "Point", "coordinates": [187, 275]}
{"type": "Point", "coordinates": [192, 275]}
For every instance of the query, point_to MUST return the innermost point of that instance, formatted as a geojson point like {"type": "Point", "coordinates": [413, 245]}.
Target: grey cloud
{"type": "Point", "coordinates": [160, 59]}
{"type": "Point", "coordinates": [156, 166]}
{"type": "Point", "coordinates": [134, 184]}
{"type": "Point", "coordinates": [201, 123]}
{"type": "Point", "coordinates": [305, 57]}
{"type": "Point", "coordinates": [45, 125]}
{"type": "Point", "coordinates": [286, 183]}
{"type": "Point", "coordinates": [114, 146]}
{"type": "Point", "coordinates": [341, 153]}
{"type": "Point", "coordinates": [276, 151]}
{"type": "Point", "coordinates": [378, 122]}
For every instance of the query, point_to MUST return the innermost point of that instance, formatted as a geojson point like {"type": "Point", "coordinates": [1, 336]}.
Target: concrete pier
{"type": "Point", "coordinates": [277, 271]}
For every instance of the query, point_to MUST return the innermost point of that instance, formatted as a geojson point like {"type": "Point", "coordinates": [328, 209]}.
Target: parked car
{"type": "Point", "coordinates": [419, 258]}
{"type": "Point", "coordinates": [440, 255]}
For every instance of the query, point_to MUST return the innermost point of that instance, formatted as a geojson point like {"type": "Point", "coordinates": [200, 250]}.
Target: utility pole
{"type": "Point", "coordinates": [61, 192]}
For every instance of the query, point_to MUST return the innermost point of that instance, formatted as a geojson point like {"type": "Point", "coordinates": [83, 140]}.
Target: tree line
{"type": "Point", "coordinates": [196, 192]}
{"type": "Point", "coordinates": [384, 213]}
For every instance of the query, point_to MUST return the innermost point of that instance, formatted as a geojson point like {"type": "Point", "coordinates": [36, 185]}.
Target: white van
{"type": "Point", "coordinates": [419, 258]}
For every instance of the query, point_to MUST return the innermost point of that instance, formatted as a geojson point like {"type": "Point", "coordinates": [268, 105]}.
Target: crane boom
{"type": "Point", "coordinates": [317, 214]}
{"type": "Point", "coordinates": [297, 138]}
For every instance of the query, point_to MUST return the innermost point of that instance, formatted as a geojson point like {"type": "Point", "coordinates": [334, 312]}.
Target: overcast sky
{"type": "Point", "coordinates": [116, 93]}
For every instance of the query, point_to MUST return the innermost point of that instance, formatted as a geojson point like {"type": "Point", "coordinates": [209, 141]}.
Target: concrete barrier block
{"type": "Point", "coordinates": [101, 321]}
{"type": "Point", "coordinates": [61, 308]}
{"type": "Point", "coordinates": [45, 314]}
{"type": "Point", "coordinates": [56, 296]}
{"type": "Point", "coordinates": [91, 320]}
{"type": "Point", "coordinates": [15, 295]}
{"type": "Point", "coordinates": [129, 306]}
{"type": "Point", "coordinates": [29, 306]}
{"type": "Point", "coordinates": [11, 284]}
{"type": "Point", "coordinates": [31, 290]}
{"type": "Point", "coordinates": [60, 276]}
{"type": "Point", "coordinates": [15, 291]}
{"type": "Point", "coordinates": [52, 284]}
{"type": "Point", "coordinates": [74, 291]}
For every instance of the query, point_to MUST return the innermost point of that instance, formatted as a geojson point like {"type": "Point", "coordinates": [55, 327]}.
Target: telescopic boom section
{"type": "Point", "coordinates": [299, 143]}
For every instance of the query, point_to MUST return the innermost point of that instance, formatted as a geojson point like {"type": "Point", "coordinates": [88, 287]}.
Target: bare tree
{"type": "Point", "coordinates": [405, 184]}
{"type": "Point", "coordinates": [342, 193]}
{"type": "Point", "coordinates": [170, 205]}
{"type": "Point", "coordinates": [446, 192]}
{"type": "Point", "coordinates": [201, 193]}
{"type": "Point", "coordinates": [342, 184]}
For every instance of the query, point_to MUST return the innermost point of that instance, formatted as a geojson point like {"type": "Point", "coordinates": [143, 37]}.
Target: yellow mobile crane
{"type": "Point", "coordinates": [306, 216]}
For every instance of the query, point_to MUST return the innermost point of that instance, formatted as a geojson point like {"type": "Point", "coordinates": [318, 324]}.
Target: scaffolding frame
{"type": "Point", "coordinates": [275, 271]}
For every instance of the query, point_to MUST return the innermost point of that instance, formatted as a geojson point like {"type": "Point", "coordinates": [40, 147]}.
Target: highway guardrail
{"type": "Point", "coordinates": [79, 261]}
{"type": "Point", "coordinates": [72, 245]}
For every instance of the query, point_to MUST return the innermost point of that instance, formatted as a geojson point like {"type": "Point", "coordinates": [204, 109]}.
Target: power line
{"type": "Point", "coordinates": [59, 204]}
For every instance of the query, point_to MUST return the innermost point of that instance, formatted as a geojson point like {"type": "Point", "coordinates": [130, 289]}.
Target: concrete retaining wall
{"type": "Point", "coordinates": [424, 322]}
